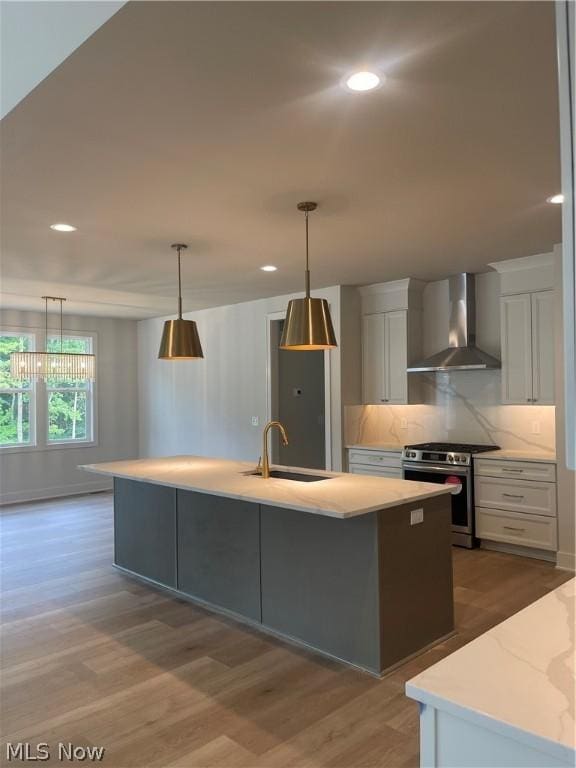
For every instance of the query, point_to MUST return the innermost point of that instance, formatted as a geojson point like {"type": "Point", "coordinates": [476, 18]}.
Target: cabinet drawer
{"type": "Point", "coordinates": [362, 469]}
{"type": "Point", "coordinates": [522, 470]}
{"type": "Point", "coordinates": [375, 458]}
{"type": "Point", "coordinates": [512, 527]}
{"type": "Point", "coordinates": [528, 497]}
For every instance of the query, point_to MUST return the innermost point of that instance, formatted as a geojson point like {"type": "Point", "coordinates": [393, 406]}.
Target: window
{"type": "Point", "coordinates": [69, 401]}
{"type": "Point", "coordinates": [16, 396]}
{"type": "Point", "coordinates": [38, 414]}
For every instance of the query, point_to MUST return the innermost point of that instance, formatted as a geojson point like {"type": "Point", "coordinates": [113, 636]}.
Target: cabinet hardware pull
{"type": "Point", "coordinates": [512, 528]}
{"type": "Point", "coordinates": [505, 469]}
{"type": "Point", "coordinates": [513, 495]}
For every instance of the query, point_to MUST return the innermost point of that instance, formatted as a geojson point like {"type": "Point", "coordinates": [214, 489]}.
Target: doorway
{"type": "Point", "coordinates": [298, 400]}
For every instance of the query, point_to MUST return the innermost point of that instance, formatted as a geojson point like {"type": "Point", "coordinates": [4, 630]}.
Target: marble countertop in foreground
{"type": "Point", "coordinates": [343, 496]}
{"type": "Point", "coordinates": [518, 677]}
{"type": "Point", "coordinates": [519, 454]}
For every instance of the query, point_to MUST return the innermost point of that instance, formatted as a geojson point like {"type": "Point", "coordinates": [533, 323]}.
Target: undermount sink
{"type": "Point", "coordinates": [298, 476]}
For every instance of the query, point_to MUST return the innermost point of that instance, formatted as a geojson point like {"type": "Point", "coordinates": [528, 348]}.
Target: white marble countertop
{"type": "Point", "coordinates": [518, 678]}
{"type": "Point", "coordinates": [343, 496]}
{"type": "Point", "coordinates": [395, 447]}
{"type": "Point", "coordinates": [519, 455]}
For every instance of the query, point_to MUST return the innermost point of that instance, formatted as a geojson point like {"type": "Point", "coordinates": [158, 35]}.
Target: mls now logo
{"type": "Point", "coordinates": [26, 752]}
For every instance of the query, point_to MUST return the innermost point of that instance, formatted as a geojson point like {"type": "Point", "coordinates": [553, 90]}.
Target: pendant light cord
{"type": "Point", "coordinates": [179, 249]}
{"type": "Point", "coordinates": [46, 323]}
{"type": "Point", "coordinates": [307, 276]}
{"type": "Point", "coordinates": [61, 300]}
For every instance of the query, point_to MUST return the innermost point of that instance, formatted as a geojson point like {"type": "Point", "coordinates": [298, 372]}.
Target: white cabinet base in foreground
{"type": "Point", "coordinates": [507, 699]}
{"type": "Point", "coordinates": [449, 741]}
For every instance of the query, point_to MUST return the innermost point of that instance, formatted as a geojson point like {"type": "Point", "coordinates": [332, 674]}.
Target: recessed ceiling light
{"type": "Point", "coordinates": [555, 199]}
{"type": "Point", "coordinates": [363, 81]}
{"type": "Point", "coordinates": [63, 227]}
{"type": "Point", "coordinates": [268, 268]}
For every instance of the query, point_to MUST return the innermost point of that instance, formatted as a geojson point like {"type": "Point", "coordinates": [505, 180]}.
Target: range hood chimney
{"type": "Point", "coordinates": [461, 354]}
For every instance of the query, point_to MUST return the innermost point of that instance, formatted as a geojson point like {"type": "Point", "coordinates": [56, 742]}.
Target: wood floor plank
{"type": "Point", "coordinates": [94, 657]}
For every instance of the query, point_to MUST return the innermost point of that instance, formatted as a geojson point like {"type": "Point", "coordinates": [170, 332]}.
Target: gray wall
{"type": "Point", "coordinates": [34, 473]}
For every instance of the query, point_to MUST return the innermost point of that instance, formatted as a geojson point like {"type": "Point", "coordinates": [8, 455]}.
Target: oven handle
{"type": "Point", "coordinates": [438, 469]}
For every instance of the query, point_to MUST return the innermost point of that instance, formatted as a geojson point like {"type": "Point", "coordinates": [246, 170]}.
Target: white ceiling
{"type": "Point", "coordinates": [36, 37]}
{"type": "Point", "coordinates": [207, 122]}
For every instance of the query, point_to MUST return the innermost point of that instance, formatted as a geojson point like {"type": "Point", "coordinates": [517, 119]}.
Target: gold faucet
{"type": "Point", "coordinates": [265, 468]}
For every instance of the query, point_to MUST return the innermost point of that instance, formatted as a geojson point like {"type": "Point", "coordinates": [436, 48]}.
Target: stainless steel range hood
{"type": "Point", "coordinates": [461, 354]}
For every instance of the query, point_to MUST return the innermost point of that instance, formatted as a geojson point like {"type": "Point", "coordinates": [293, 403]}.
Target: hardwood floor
{"type": "Point", "coordinates": [93, 657]}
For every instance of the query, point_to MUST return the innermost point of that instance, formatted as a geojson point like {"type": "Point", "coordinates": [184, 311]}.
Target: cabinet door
{"type": "Point", "coordinates": [219, 551]}
{"type": "Point", "coordinates": [516, 349]}
{"type": "Point", "coordinates": [373, 358]}
{"type": "Point", "coordinates": [145, 530]}
{"type": "Point", "coordinates": [543, 347]}
{"type": "Point", "coordinates": [320, 582]}
{"type": "Point", "coordinates": [395, 357]}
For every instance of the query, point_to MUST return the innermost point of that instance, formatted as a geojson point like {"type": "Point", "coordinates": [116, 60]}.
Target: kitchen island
{"type": "Point", "coordinates": [356, 567]}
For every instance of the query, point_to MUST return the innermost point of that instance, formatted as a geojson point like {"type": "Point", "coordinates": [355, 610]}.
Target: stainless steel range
{"type": "Point", "coordinates": [448, 463]}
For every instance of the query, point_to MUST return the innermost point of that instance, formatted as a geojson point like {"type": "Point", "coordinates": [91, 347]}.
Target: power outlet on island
{"type": "Point", "coordinates": [416, 516]}
{"type": "Point", "coordinates": [255, 421]}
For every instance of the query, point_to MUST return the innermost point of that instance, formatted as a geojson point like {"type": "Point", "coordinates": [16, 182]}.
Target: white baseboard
{"type": "Point", "coordinates": [566, 561]}
{"type": "Point", "coordinates": [56, 491]}
{"type": "Point", "coordinates": [513, 549]}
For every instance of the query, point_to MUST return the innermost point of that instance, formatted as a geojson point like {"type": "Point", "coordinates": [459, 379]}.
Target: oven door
{"type": "Point", "coordinates": [462, 521]}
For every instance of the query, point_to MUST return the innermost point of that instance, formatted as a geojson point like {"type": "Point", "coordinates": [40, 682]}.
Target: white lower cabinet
{"type": "Point", "coordinates": [376, 471]}
{"type": "Point", "coordinates": [534, 531]}
{"type": "Point", "coordinates": [513, 505]}
{"type": "Point", "coordinates": [364, 461]}
{"type": "Point", "coordinates": [525, 496]}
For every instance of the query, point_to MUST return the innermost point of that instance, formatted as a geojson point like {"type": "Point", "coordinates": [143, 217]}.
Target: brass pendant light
{"type": "Point", "coordinates": [308, 325]}
{"type": "Point", "coordinates": [180, 340]}
{"type": "Point", "coordinates": [53, 365]}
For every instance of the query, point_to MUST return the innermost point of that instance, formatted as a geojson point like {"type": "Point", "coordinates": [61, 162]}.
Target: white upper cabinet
{"type": "Point", "coordinates": [373, 358]}
{"type": "Point", "coordinates": [395, 356]}
{"type": "Point", "coordinates": [384, 357]}
{"type": "Point", "coordinates": [543, 310]}
{"type": "Point", "coordinates": [529, 288]}
{"type": "Point", "coordinates": [528, 348]}
{"type": "Point", "coordinates": [516, 349]}
{"type": "Point", "coordinates": [391, 334]}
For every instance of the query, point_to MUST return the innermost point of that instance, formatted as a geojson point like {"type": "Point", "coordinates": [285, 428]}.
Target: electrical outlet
{"type": "Point", "coordinates": [403, 423]}
{"type": "Point", "coordinates": [255, 421]}
{"type": "Point", "coordinates": [535, 427]}
{"type": "Point", "coordinates": [416, 516]}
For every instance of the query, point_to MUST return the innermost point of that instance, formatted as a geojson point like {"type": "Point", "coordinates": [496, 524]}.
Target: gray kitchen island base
{"type": "Point", "coordinates": [370, 590]}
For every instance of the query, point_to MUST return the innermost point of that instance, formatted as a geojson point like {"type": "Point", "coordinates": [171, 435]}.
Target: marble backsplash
{"type": "Point", "coordinates": [457, 407]}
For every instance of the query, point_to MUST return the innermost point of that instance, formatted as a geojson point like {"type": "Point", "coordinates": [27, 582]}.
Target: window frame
{"type": "Point", "coordinates": [39, 395]}
{"type": "Point", "coordinates": [31, 391]}
{"type": "Point", "coordinates": [88, 390]}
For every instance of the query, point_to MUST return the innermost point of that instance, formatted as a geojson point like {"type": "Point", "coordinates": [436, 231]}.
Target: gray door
{"type": "Point", "coordinates": [301, 409]}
